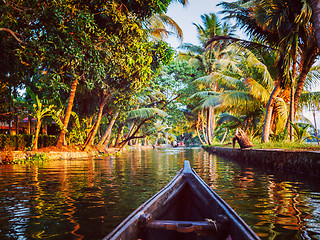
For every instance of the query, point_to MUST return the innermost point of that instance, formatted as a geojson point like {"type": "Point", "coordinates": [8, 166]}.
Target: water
{"type": "Point", "coordinates": [87, 198]}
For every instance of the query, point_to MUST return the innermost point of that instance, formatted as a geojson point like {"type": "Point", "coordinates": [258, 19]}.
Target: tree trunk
{"type": "Point", "coordinates": [106, 137]}
{"type": "Point", "coordinates": [197, 129]}
{"type": "Point", "coordinates": [90, 140]}
{"type": "Point", "coordinates": [315, 125]}
{"type": "Point", "coordinates": [291, 115]}
{"type": "Point", "coordinates": [242, 139]}
{"type": "Point", "coordinates": [61, 138]}
{"type": "Point", "coordinates": [224, 136]}
{"type": "Point", "coordinates": [36, 137]}
{"type": "Point", "coordinates": [116, 144]}
{"type": "Point", "coordinates": [209, 125]}
{"type": "Point", "coordinates": [308, 60]}
{"type": "Point", "coordinates": [167, 137]}
{"type": "Point", "coordinates": [203, 130]}
{"type": "Point", "coordinates": [29, 124]}
{"type": "Point", "coordinates": [267, 120]}
{"type": "Point", "coordinates": [315, 5]}
{"type": "Point", "coordinates": [198, 134]}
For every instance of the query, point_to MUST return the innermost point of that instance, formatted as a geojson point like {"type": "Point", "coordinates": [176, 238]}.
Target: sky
{"type": "Point", "coordinates": [191, 13]}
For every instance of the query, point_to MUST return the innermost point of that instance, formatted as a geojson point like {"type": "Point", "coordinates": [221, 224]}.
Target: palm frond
{"type": "Point", "coordinates": [310, 99]}
{"type": "Point", "coordinates": [313, 78]}
{"type": "Point", "coordinates": [145, 113]}
{"type": "Point", "coordinates": [239, 101]}
{"type": "Point", "coordinates": [191, 48]}
{"type": "Point", "coordinates": [226, 117]}
{"type": "Point", "coordinates": [258, 91]}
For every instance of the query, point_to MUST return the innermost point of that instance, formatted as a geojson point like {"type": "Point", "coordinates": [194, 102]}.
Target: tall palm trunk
{"type": "Point", "coordinates": [203, 129]}
{"type": "Point", "coordinates": [291, 115]}
{"type": "Point", "coordinates": [267, 120]}
{"type": "Point", "coordinates": [197, 129]}
{"type": "Point", "coordinates": [89, 141]}
{"type": "Point", "coordinates": [293, 82]}
{"type": "Point", "coordinates": [306, 66]}
{"type": "Point", "coordinates": [36, 137]}
{"type": "Point", "coordinates": [209, 125]}
{"type": "Point", "coordinates": [106, 137]}
{"type": "Point", "coordinates": [315, 5]}
{"type": "Point", "coordinates": [62, 135]}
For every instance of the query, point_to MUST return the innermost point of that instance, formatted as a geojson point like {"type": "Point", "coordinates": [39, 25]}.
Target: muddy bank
{"type": "Point", "coordinates": [305, 162]}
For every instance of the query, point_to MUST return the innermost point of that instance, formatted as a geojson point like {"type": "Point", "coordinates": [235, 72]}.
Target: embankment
{"type": "Point", "coordinates": [12, 156]}
{"type": "Point", "coordinates": [305, 162]}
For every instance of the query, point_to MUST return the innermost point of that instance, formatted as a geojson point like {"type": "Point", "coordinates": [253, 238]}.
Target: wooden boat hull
{"type": "Point", "coordinates": [187, 208]}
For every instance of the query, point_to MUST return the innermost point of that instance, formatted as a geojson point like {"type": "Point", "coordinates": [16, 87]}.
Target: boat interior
{"type": "Point", "coordinates": [187, 214]}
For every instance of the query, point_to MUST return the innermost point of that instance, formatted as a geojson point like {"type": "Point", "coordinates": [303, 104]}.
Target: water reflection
{"type": "Point", "coordinates": [86, 199]}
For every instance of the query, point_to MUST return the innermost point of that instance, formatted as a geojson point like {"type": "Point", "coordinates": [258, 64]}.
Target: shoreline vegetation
{"type": "Point", "coordinates": [284, 160]}
{"type": "Point", "coordinates": [284, 145]}
{"type": "Point", "coordinates": [70, 152]}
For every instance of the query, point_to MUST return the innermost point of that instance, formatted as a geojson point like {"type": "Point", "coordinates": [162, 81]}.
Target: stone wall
{"type": "Point", "coordinates": [305, 162]}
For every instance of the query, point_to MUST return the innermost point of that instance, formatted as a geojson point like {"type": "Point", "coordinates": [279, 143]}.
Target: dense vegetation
{"type": "Point", "coordinates": [100, 74]}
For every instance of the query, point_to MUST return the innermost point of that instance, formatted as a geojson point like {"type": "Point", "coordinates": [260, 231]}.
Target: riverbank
{"type": "Point", "coordinates": [66, 152]}
{"type": "Point", "coordinates": [53, 153]}
{"type": "Point", "coordinates": [303, 162]}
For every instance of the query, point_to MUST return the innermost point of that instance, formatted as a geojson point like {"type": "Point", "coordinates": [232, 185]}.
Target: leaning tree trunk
{"type": "Point", "coordinates": [68, 113]}
{"type": "Point", "coordinates": [315, 5]}
{"type": "Point", "coordinates": [224, 136]}
{"type": "Point", "coordinates": [106, 137]}
{"type": "Point", "coordinates": [267, 120]}
{"type": "Point", "coordinates": [116, 144]}
{"type": "Point", "coordinates": [90, 140]}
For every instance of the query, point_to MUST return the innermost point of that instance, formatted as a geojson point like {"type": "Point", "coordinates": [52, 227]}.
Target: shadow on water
{"type": "Point", "coordinates": [87, 198]}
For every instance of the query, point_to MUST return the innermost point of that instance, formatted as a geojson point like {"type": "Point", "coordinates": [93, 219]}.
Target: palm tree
{"type": "Point", "coordinates": [315, 5]}
{"type": "Point", "coordinates": [209, 60]}
{"type": "Point", "coordinates": [137, 118]}
{"type": "Point", "coordinates": [284, 25]}
{"type": "Point", "coordinates": [244, 90]}
{"type": "Point", "coordinates": [39, 112]}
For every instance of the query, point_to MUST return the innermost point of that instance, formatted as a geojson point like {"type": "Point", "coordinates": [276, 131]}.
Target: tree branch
{"type": "Point", "coordinates": [12, 33]}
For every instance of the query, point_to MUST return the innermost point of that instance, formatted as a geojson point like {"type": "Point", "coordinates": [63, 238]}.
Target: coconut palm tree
{"type": "Point", "coordinates": [286, 26]}
{"type": "Point", "coordinates": [39, 111]}
{"type": "Point", "coordinates": [315, 5]}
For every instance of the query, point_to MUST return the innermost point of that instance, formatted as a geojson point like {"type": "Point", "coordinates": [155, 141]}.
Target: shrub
{"type": "Point", "coordinates": [24, 141]}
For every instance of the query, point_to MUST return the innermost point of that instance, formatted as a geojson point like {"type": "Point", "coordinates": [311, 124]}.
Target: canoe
{"type": "Point", "coordinates": [187, 208]}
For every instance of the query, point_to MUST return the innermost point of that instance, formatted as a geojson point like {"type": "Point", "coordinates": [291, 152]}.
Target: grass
{"type": "Point", "coordinates": [284, 145]}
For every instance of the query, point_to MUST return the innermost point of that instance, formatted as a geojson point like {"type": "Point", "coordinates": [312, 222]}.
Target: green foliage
{"type": "Point", "coordinates": [34, 159]}
{"type": "Point", "coordinates": [162, 55]}
{"type": "Point", "coordinates": [301, 131]}
{"type": "Point", "coordinates": [22, 142]}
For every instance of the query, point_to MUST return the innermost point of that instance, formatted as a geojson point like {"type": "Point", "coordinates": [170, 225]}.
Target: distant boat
{"type": "Point", "coordinates": [187, 208]}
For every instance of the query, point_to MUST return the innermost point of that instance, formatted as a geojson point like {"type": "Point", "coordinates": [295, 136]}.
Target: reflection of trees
{"type": "Point", "coordinates": [89, 197]}
{"type": "Point", "coordinates": [286, 204]}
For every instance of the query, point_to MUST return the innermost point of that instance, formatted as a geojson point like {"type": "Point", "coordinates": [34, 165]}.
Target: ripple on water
{"type": "Point", "coordinates": [87, 198]}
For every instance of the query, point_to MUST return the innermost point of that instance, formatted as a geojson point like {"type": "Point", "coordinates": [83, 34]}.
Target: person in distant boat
{"type": "Point", "coordinates": [174, 143]}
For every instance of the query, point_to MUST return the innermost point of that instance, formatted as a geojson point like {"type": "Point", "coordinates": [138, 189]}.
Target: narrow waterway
{"type": "Point", "coordinates": [87, 198]}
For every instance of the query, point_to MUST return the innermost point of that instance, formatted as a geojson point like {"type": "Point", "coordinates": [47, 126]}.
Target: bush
{"type": "Point", "coordinates": [23, 141]}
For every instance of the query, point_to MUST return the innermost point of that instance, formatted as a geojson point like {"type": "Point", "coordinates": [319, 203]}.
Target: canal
{"type": "Point", "coordinates": [87, 198]}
